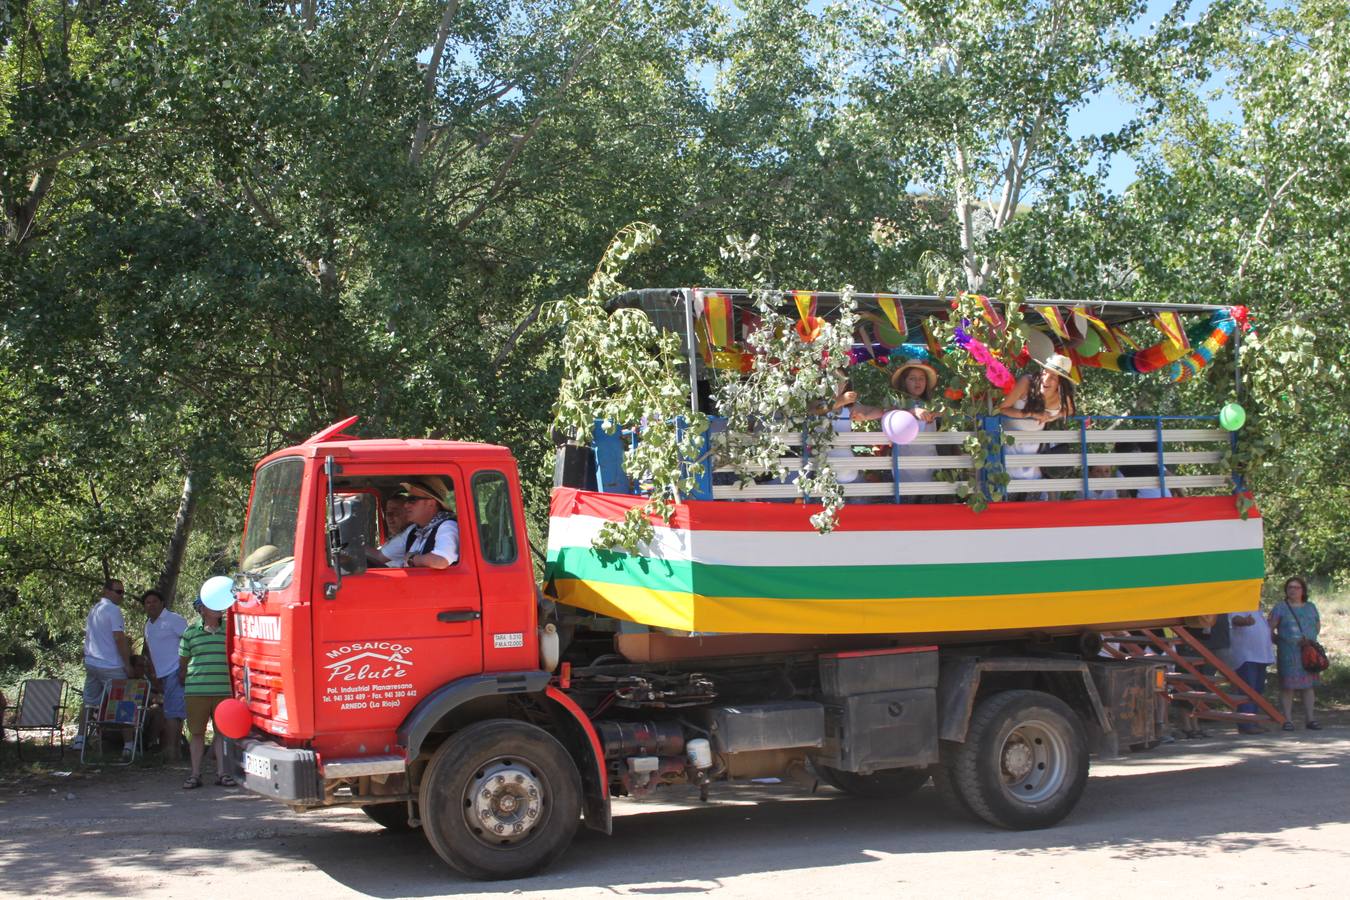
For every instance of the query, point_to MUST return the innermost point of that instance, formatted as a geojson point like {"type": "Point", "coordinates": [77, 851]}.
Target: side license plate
{"type": "Point", "coordinates": [257, 765]}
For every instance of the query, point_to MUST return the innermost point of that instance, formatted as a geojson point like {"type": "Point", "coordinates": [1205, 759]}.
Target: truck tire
{"type": "Point", "coordinates": [1024, 762]}
{"type": "Point", "coordinates": [393, 816]}
{"type": "Point", "coordinates": [945, 785]}
{"type": "Point", "coordinates": [888, 784]}
{"type": "Point", "coordinates": [500, 799]}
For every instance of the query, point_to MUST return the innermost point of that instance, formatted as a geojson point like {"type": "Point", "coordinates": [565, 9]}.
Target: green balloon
{"type": "Point", "coordinates": [1232, 416]}
{"type": "Point", "coordinates": [1091, 344]}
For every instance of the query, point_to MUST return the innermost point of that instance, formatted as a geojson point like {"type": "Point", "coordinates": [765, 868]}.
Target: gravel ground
{"type": "Point", "coordinates": [1263, 816]}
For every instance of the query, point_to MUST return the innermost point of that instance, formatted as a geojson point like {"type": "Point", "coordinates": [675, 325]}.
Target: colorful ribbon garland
{"type": "Point", "coordinates": [1210, 336]}
{"type": "Point", "coordinates": [1192, 363]}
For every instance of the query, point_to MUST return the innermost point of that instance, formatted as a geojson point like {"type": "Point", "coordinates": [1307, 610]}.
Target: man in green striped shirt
{"type": "Point", "coordinates": [205, 671]}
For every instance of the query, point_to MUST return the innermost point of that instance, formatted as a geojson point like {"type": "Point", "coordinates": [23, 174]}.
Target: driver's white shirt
{"type": "Point", "coordinates": [446, 546]}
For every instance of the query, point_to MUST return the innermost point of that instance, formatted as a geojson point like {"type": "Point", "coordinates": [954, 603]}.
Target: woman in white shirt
{"type": "Point", "coordinates": [1034, 403]}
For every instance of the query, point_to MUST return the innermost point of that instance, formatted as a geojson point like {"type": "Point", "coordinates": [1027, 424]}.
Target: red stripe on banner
{"type": "Point", "coordinates": [750, 515]}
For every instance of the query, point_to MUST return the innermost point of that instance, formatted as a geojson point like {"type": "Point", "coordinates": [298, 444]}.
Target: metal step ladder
{"type": "Point", "coordinates": [1213, 697]}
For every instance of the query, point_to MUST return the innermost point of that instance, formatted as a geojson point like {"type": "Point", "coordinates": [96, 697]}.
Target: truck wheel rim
{"type": "Point", "coordinates": [1033, 761]}
{"type": "Point", "coordinates": [504, 802]}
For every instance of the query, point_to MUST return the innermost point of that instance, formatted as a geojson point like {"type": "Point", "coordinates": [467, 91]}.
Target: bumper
{"type": "Point", "coordinates": [290, 775]}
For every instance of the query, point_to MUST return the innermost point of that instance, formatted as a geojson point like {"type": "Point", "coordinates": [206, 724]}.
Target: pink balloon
{"type": "Point", "coordinates": [233, 719]}
{"type": "Point", "coordinates": [900, 426]}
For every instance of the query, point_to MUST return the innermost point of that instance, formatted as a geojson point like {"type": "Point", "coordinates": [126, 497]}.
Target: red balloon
{"type": "Point", "coordinates": [233, 719]}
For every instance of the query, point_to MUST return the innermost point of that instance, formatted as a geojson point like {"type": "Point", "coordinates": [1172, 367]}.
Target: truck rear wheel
{"type": "Point", "coordinates": [888, 784]}
{"type": "Point", "coordinates": [500, 799]}
{"type": "Point", "coordinates": [1024, 762]}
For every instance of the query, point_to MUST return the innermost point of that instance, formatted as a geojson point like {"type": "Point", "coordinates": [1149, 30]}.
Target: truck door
{"type": "Point", "coordinates": [389, 636]}
{"type": "Point", "coordinates": [510, 640]}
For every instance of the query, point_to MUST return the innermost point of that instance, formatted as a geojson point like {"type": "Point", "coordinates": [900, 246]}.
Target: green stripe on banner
{"type": "Point", "coordinates": [932, 580]}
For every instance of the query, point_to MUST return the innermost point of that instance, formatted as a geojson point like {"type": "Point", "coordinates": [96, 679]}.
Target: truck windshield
{"type": "Point", "coordinates": [269, 539]}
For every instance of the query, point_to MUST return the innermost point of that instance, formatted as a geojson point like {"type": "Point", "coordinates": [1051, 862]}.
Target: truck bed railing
{"type": "Point", "coordinates": [1163, 454]}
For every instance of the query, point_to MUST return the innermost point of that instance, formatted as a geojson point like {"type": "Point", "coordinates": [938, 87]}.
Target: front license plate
{"type": "Point", "coordinates": [257, 765]}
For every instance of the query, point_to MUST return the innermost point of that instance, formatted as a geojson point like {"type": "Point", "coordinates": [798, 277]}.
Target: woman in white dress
{"type": "Point", "coordinates": [1032, 404]}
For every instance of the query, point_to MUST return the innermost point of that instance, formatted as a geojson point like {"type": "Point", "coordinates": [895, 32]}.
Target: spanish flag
{"type": "Point", "coordinates": [1055, 319]}
{"type": "Point", "coordinates": [718, 316]}
{"type": "Point", "coordinates": [895, 314]}
{"type": "Point", "coordinates": [1169, 323]}
{"type": "Point", "coordinates": [991, 313]}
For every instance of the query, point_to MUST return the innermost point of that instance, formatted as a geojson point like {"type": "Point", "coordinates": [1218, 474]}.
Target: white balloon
{"type": "Point", "coordinates": [900, 426]}
{"type": "Point", "coordinates": [1039, 343]}
{"type": "Point", "coordinates": [1080, 322]}
{"type": "Point", "coordinates": [218, 593]}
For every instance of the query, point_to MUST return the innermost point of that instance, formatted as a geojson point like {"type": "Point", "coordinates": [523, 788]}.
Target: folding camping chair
{"type": "Point", "coordinates": [41, 707]}
{"type": "Point", "coordinates": [122, 709]}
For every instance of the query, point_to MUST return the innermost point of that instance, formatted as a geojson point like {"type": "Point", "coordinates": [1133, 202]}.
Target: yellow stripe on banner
{"type": "Point", "coordinates": [922, 615]}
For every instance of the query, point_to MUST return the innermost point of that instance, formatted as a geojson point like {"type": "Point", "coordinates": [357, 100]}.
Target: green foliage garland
{"type": "Point", "coordinates": [782, 394]}
{"type": "Point", "coordinates": [619, 370]}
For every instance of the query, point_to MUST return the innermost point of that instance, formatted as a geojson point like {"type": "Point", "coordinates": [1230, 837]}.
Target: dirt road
{"type": "Point", "coordinates": [1267, 817]}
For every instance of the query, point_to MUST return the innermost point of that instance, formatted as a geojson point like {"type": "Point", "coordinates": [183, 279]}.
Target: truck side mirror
{"type": "Point", "coordinates": [347, 533]}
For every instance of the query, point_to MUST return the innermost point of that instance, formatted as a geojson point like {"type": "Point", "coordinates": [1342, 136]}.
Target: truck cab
{"type": "Point", "coordinates": [332, 651]}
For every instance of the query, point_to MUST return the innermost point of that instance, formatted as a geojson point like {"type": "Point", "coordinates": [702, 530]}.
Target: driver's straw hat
{"type": "Point", "coordinates": [430, 486]}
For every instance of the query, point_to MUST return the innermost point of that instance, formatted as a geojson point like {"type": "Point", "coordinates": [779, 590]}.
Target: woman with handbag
{"type": "Point", "coordinates": [1295, 624]}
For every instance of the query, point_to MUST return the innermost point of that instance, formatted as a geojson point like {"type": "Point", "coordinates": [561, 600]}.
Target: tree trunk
{"type": "Point", "coordinates": [182, 530]}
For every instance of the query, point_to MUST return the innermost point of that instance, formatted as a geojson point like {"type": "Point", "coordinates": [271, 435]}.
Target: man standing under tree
{"type": "Point", "coordinates": [163, 630]}
{"type": "Point", "coordinates": [107, 654]}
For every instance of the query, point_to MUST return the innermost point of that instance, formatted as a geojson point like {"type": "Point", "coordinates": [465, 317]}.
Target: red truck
{"type": "Point", "coordinates": [465, 702]}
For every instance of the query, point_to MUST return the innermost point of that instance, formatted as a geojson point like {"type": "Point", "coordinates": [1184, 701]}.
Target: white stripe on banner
{"type": "Point", "coordinates": [874, 548]}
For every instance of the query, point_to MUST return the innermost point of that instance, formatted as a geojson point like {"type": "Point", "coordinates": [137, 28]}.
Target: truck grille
{"type": "Point", "coordinates": [261, 681]}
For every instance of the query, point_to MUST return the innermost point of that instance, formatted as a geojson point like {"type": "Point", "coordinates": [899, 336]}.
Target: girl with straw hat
{"type": "Point", "coordinates": [1034, 403]}
{"type": "Point", "coordinates": [913, 382]}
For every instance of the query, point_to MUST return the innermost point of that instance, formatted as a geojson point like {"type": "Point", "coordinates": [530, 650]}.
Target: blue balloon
{"type": "Point", "coordinates": [218, 593]}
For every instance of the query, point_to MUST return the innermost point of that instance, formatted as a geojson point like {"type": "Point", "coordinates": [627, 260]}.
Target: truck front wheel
{"type": "Point", "coordinates": [1024, 762]}
{"type": "Point", "coordinates": [500, 799]}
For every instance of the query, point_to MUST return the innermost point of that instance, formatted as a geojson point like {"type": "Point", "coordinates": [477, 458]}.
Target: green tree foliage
{"type": "Point", "coordinates": [977, 96]}
{"type": "Point", "coordinates": [1247, 206]}
{"type": "Point", "coordinates": [225, 225]}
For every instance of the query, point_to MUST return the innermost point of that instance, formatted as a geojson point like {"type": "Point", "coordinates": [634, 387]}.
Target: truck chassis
{"type": "Point", "coordinates": [500, 769]}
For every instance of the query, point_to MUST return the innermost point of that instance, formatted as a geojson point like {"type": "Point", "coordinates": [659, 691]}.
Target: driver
{"type": "Point", "coordinates": [431, 540]}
